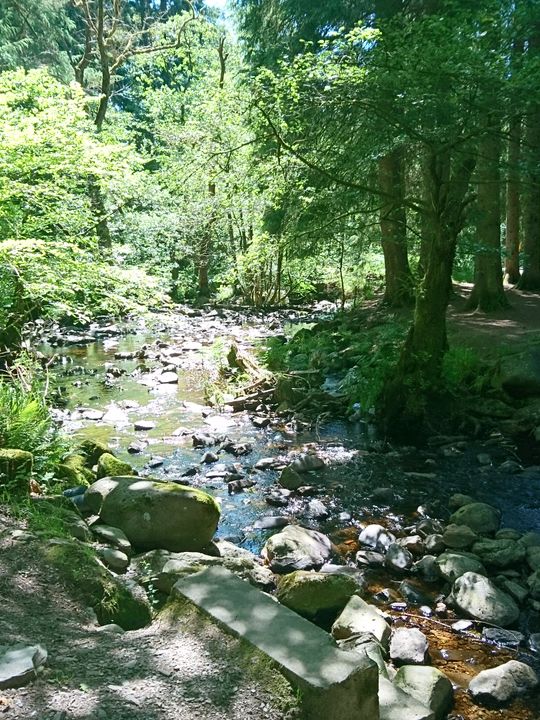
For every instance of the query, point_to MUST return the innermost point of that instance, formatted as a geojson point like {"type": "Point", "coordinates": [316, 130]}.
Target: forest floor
{"type": "Point", "coordinates": [510, 327]}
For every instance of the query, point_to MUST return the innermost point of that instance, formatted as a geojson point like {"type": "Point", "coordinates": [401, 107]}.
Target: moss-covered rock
{"type": "Point", "coordinates": [73, 470]}
{"type": "Point", "coordinates": [110, 466]}
{"type": "Point", "coordinates": [314, 594]}
{"type": "Point", "coordinates": [113, 599]}
{"type": "Point", "coordinates": [155, 514]}
{"type": "Point", "coordinates": [93, 450]}
{"type": "Point", "coordinates": [15, 467]}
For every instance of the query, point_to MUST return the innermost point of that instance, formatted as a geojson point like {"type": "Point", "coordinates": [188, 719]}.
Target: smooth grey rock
{"type": "Point", "coordinates": [480, 517]}
{"type": "Point", "coordinates": [497, 686]}
{"type": "Point", "coordinates": [479, 598]}
{"type": "Point", "coordinates": [434, 544]}
{"type": "Point", "coordinates": [409, 646]}
{"type": "Point", "coordinates": [168, 378]}
{"type": "Point", "coordinates": [112, 536]}
{"type": "Point", "coordinates": [334, 684]}
{"type": "Point", "coordinates": [414, 544]}
{"type": "Point", "coordinates": [514, 589]}
{"type": "Point", "coordinates": [429, 686]}
{"type": "Point", "coordinates": [19, 664]}
{"type": "Point", "coordinates": [142, 425]}
{"type": "Point", "coordinates": [296, 548]}
{"type": "Point", "coordinates": [359, 617]}
{"type": "Point", "coordinates": [114, 559]}
{"type": "Point", "coordinates": [398, 558]}
{"type": "Point", "coordinates": [453, 564]}
{"type": "Point", "coordinates": [376, 537]}
{"type": "Point", "coordinates": [369, 557]}
{"type": "Point", "coordinates": [395, 704]}
{"type": "Point", "coordinates": [180, 565]}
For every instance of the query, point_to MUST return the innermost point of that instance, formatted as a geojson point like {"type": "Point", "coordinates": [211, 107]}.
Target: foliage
{"type": "Point", "coordinates": [26, 422]}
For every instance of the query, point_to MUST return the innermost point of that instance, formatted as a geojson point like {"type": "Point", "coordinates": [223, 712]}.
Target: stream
{"type": "Point", "coordinates": [110, 381]}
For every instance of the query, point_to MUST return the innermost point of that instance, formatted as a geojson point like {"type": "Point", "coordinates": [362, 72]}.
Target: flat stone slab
{"type": "Point", "coordinates": [335, 684]}
{"type": "Point", "coordinates": [19, 663]}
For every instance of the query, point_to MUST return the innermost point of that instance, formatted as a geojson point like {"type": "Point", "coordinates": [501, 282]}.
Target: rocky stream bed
{"type": "Point", "coordinates": [398, 527]}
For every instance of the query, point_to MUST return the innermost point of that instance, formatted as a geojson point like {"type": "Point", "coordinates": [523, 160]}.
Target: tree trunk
{"type": "Point", "coordinates": [203, 260]}
{"type": "Point", "coordinates": [393, 223]}
{"type": "Point", "coordinates": [100, 214]}
{"type": "Point", "coordinates": [488, 291]}
{"type": "Point", "coordinates": [513, 210]}
{"type": "Point", "coordinates": [404, 403]}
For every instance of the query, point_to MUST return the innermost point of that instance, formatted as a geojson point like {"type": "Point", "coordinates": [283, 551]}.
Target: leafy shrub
{"type": "Point", "coordinates": [26, 424]}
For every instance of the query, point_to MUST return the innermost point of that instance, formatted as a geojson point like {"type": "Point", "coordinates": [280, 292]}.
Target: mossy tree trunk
{"type": "Point", "coordinates": [404, 403]}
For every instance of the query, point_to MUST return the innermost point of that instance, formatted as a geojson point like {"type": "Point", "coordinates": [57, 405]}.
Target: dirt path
{"type": "Point", "coordinates": [187, 669]}
{"type": "Point", "coordinates": [498, 331]}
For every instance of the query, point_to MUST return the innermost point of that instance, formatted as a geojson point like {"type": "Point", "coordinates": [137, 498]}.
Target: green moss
{"type": "Point", "coordinates": [93, 450]}
{"type": "Point", "coordinates": [109, 466]}
{"type": "Point", "coordinates": [112, 600]}
{"type": "Point", "coordinates": [74, 471]}
{"type": "Point", "coordinates": [15, 468]}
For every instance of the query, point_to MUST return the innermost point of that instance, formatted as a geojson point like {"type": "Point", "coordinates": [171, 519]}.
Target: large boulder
{"type": "Point", "coordinates": [314, 595]}
{"type": "Point", "coordinates": [500, 685]}
{"type": "Point", "coordinates": [429, 686]}
{"type": "Point", "coordinates": [296, 548]}
{"type": "Point", "coordinates": [478, 597]}
{"type": "Point", "coordinates": [155, 514]}
{"type": "Point", "coordinates": [480, 517]}
{"type": "Point", "coordinates": [358, 618]}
